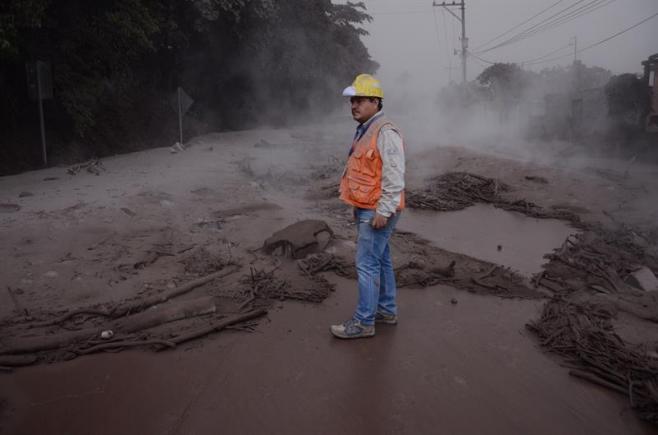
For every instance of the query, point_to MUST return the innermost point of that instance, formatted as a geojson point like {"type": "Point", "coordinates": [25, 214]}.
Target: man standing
{"type": "Point", "coordinates": [372, 183]}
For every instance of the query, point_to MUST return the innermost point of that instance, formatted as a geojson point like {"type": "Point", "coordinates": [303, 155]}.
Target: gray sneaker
{"type": "Point", "coordinates": [352, 329]}
{"type": "Point", "coordinates": [389, 319]}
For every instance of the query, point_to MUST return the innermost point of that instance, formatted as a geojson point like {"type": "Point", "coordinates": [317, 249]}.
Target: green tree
{"type": "Point", "coordinates": [116, 62]}
{"type": "Point", "coordinates": [627, 98]}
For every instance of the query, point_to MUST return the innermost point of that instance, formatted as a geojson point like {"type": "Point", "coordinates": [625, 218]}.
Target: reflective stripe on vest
{"type": "Point", "coordinates": [361, 184]}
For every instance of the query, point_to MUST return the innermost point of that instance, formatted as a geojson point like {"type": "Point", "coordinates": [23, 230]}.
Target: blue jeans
{"type": "Point", "coordinates": [374, 267]}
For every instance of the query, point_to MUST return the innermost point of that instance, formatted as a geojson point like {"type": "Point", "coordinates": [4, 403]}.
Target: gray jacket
{"type": "Point", "coordinates": [389, 144]}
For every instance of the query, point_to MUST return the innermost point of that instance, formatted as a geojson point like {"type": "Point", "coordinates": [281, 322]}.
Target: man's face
{"type": "Point", "coordinates": [363, 108]}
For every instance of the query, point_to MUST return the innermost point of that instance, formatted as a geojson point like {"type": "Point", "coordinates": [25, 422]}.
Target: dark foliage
{"type": "Point", "coordinates": [627, 98]}
{"type": "Point", "coordinates": [117, 63]}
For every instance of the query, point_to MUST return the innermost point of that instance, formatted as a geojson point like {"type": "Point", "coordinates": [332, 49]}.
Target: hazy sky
{"type": "Point", "coordinates": [411, 38]}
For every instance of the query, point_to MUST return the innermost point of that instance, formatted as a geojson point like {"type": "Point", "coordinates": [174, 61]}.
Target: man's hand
{"type": "Point", "coordinates": [379, 221]}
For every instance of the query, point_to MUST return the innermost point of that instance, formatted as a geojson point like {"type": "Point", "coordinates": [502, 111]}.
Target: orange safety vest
{"type": "Point", "coordinates": [361, 185]}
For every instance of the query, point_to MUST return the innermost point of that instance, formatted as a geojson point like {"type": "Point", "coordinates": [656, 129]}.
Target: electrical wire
{"type": "Point", "coordinates": [557, 50]}
{"type": "Point", "coordinates": [398, 12]}
{"type": "Point", "coordinates": [563, 16]}
{"type": "Point", "coordinates": [436, 29]}
{"type": "Point", "coordinates": [447, 43]}
{"type": "Point", "coordinates": [534, 26]}
{"type": "Point", "coordinates": [542, 59]}
{"type": "Point", "coordinates": [584, 10]}
{"type": "Point", "coordinates": [475, 56]}
{"type": "Point", "coordinates": [518, 25]}
{"type": "Point", "coordinates": [602, 41]}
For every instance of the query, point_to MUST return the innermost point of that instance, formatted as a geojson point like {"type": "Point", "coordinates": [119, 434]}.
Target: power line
{"type": "Point", "coordinates": [475, 56]}
{"type": "Point", "coordinates": [519, 25]}
{"type": "Point", "coordinates": [542, 59]}
{"type": "Point", "coordinates": [436, 29]}
{"type": "Point", "coordinates": [535, 28]}
{"type": "Point", "coordinates": [523, 62]}
{"type": "Point", "coordinates": [583, 10]}
{"type": "Point", "coordinates": [436, 32]}
{"type": "Point", "coordinates": [545, 20]}
{"type": "Point", "coordinates": [618, 33]}
{"type": "Point", "coordinates": [448, 43]}
{"type": "Point", "coordinates": [397, 12]}
{"type": "Point", "coordinates": [602, 41]}
{"type": "Point", "coordinates": [561, 17]}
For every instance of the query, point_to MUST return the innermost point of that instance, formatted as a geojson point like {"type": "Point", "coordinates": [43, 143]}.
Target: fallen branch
{"type": "Point", "coordinates": [17, 360]}
{"type": "Point", "coordinates": [133, 323]}
{"type": "Point", "coordinates": [248, 301]}
{"type": "Point", "coordinates": [479, 280]}
{"type": "Point", "coordinates": [165, 313]}
{"type": "Point", "coordinates": [598, 381]}
{"type": "Point", "coordinates": [70, 314]}
{"type": "Point", "coordinates": [19, 345]}
{"type": "Point", "coordinates": [218, 326]}
{"type": "Point", "coordinates": [17, 305]}
{"type": "Point", "coordinates": [122, 344]}
{"type": "Point", "coordinates": [494, 287]}
{"type": "Point", "coordinates": [165, 296]}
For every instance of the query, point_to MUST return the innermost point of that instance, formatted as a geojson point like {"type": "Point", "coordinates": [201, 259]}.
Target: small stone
{"type": "Point", "coordinates": [640, 241]}
{"type": "Point", "coordinates": [644, 279]}
{"type": "Point", "coordinates": [25, 194]}
{"type": "Point", "coordinates": [51, 274]}
{"type": "Point", "coordinates": [652, 354]}
{"type": "Point", "coordinates": [454, 301]}
{"type": "Point", "coordinates": [9, 208]}
{"type": "Point", "coordinates": [499, 247]}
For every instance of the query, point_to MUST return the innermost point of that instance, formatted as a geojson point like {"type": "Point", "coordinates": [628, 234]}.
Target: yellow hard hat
{"type": "Point", "coordinates": [364, 85]}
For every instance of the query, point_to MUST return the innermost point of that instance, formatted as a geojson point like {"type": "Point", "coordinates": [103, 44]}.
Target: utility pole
{"type": "Point", "coordinates": [462, 6]}
{"type": "Point", "coordinates": [576, 95]}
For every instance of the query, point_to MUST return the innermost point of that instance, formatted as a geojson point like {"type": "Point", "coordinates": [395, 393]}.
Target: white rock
{"type": "Point", "coordinates": [644, 279]}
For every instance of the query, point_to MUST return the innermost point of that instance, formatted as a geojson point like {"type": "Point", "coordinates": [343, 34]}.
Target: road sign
{"type": "Point", "coordinates": [39, 75]}
{"type": "Point", "coordinates": [185, 101]}
{"type": "Point", "coordinates": [181, 103]}
{"type": "Point", "coordinates": [40, 87]}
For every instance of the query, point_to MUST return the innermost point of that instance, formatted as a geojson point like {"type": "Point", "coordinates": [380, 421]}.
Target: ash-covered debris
{"type": "Point", "coordinates": [458, 190]}
{"type": "Point", "coordinates": [604, 263]}
{"type": "Point", "coordinates": [93, 166]}
{"type": "Point", "coordinates": [9, 208]}
{"type": "Point", "coordinates": [583, 334]}
{"type": "Point", "coordinates": [425, 265]}
{"type": "Point", "coordinates": [592, 277]}
{"type": "Point", "coordinates": [206, 260]}
{"type": "Point", "coordinates": [157, 319]}
{"type": "Point", "coordinates": [283, 283]}
{"type": "Point", "coordinates": [299, 239]}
